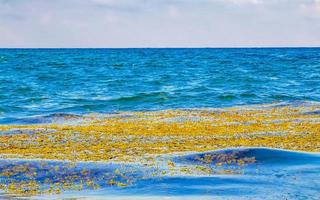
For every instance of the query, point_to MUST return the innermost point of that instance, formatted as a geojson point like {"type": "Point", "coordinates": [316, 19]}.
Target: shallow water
{"type": "Point", "coordinates": [275, 174]}
{"type": "Point", "coordinates": [48, 81]}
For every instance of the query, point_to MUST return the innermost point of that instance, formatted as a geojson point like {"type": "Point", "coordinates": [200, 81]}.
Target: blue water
{"type": "Point", "coordinates": [276, 174]}
{"type": "Point", "coordinates": [41, 82]}
{"type": "Point", "coordinates": [37, 85]}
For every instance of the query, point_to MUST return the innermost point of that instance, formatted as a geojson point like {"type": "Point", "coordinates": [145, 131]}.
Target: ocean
{"type": "Point", "coordinates": [178, 123]}
{"type": "Point", "coordinates": [41, 82]}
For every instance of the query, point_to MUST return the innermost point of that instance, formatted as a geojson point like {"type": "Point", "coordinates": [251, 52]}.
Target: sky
{"type": "Point", "coordinates": [159, 23]}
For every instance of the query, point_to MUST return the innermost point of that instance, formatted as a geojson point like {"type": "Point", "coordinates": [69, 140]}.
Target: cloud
{"type": "Point", "coordinates": [315, 7]}
{"type": "Point", "coordinates": [159, 23]}
{"type": "Point", "coordinates": [245, 1]}
{"type": "Point", "coordinates": [174, 11]}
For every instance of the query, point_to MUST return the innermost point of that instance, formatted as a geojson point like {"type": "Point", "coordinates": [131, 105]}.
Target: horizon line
{"type": "Point", "coordinates": [244, 47]}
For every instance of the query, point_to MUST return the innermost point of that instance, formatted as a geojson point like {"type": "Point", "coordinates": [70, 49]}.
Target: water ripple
{"type": "Point", "coordinates": [74, 80]}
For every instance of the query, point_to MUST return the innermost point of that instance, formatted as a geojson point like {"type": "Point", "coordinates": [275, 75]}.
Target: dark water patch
{"type": "Point", "coordinates": [261, 155]}
{"type": "Point", "coordinates": [26, 131]}
{"type": "Point", "coordinates": [227, 97]}
{"type": "Point", "coordinates": [142, 97]}
{"type": "Point", "coordinates": [51, 118]}
{"type": "Point", "coordinates": [248, 95]}
{"type": "Point", "coordinates": [317, 112]}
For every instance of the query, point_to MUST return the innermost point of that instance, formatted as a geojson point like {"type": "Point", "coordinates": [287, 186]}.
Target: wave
{"type": "Point", "coordinates": [78, 111]}
{"type": "Point", "coordinates": [43, 119]}
{"type": "Point", "coordinates": [274, 174]}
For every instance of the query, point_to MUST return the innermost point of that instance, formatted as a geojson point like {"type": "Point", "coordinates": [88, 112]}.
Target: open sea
{"type": "Point", "coordinates": [37, 85]}
{"type": "Point", "coordinates": [41, 82]}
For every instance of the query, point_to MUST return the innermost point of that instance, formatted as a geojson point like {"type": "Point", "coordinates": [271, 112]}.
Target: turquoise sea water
{"type": "Point", "coordinates": [42, 82]}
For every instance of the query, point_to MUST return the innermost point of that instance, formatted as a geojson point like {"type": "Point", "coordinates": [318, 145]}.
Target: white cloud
{"type": "Point", "coordinates": [174, 11]}
{"type": "Point", "coordinates": [245, 1]}
{"type": "Point", "coordinates": [136, 23]}
{"type": "Point", "coordinates": [317, 6]}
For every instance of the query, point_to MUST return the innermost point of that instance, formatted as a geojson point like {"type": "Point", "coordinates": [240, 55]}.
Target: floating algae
{"type": "Point", "coordinates": [126, 150]}
{"type": "Point", "coordinates": [234, 173]}
{"type": "Point", "coordinates": [133, 137]}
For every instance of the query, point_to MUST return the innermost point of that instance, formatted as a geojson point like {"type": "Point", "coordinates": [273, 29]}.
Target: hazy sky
{"type": "Point", "coordinates": [159, 23]}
